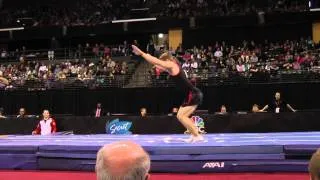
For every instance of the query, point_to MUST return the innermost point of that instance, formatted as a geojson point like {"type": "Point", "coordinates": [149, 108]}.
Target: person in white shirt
{"type": "Point", "coordinates": [46, 126]}
{"type": "Point", "coordinates": [240, 67]}
{"type": "Point", "coordinates": [43, 68]}
{"type": "Point", "coordinates": [218, 53]}
{"type": "Point", "coordinates": [254, 58]}
{"type": "Point", "coordinates": [194, 64]}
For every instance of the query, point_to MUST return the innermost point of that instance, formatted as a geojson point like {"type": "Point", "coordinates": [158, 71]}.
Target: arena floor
{"type": "Point", "coordinates": [40, 175]}
{"type": "Point", "coordinates": [254, 152]}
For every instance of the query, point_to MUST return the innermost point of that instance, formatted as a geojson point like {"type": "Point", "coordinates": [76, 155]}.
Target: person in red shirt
{"type": "Point", "coordinates": [46, 126]}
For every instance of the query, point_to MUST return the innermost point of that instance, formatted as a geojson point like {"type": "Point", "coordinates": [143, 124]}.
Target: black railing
{"type": "Point", "coordinates": [98, 82]}
{"type": "Point", "coordinates": [60, 54]}
{"type": "Point", "coordinates": [230, 78]}
{"type": "Point", "coordinates": [202, 79]}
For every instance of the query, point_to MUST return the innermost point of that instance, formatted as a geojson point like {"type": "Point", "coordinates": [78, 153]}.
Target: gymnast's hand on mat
{"type": "Point", "coordinates": [136, 50]}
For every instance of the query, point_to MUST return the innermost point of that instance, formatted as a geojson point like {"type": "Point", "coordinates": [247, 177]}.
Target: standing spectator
{"type": "Point", "coordinates": [54, 45]}
{"type": "Point", "coordinates": [107, 51]}
{"type": "Point", "coordinates": [99, 112]}
{"type": "Point", "coordinates": [87, 50]}
{"type": "Point", "coordinates": [123, 160]}
{"type": "Point", "coordinates": [151, 48]}
{"type": "Point", "coordinates": [4, 54]}
{"type": "Point", "coordinates": [95, 50]}
{"type": "Point", "coordinates": [278, 105]}
{"type": "Point", "coordinates": [123, 48]}
{"type": "Point", "coordinates": [46, 126]}
{"type": "Point", "coordinates": [78, 53]}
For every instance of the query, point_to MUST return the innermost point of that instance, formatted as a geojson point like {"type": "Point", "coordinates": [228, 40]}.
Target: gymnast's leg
{"type": "Point", "coordinates": [183, 116]}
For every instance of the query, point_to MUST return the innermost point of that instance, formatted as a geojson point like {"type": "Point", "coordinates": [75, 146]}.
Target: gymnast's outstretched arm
{"type": "Point", "coordinates": [165, 65]}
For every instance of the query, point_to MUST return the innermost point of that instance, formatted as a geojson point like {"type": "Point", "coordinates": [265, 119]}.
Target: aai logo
{"type": "Point", "coordinates": [213, 165]}
{"type": "Point", "coordinates": [199, 122]}
{"type": "Point", "coordinates": [118, 127]}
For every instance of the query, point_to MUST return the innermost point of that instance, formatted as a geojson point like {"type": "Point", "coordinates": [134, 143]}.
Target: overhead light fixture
{"type": "Point", "coordinates": [12, 29]}
{"type": "Point", "coordinates": [134, 20]}
{"type": "Point", "coordinates": [140, 9]}
{"type": "Point", "coordinates": [160, 35]}
{"type": "Point", "coordinates": [315, 10]}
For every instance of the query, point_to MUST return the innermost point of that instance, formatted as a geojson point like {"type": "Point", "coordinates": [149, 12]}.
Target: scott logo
{"type": "Point", "coordinates": [118, 127]}
{"type": "Point", "coordinates": [212, 165]}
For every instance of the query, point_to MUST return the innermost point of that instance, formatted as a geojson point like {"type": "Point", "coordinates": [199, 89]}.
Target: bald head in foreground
{"type": "Point", "coordinates": [314, 166]}
{"type": "Point", "coordinates": [124, 160]}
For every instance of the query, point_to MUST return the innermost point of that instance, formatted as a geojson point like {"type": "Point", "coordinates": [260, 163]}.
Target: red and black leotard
{"type": "Point", "coordinates": [193, 95]}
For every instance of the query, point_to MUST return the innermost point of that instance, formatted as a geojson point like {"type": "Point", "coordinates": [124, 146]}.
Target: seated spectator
{"type": "Point", "coordinates": [1, 113]}
{"type": "Point", "coordinates": [124, 68]}
{"type": "Point", "coordinates": [143, 112]}
{"type": "Point", "coordinates": [253, 68]}
{"type": "Point", "coordinates": [194, 66]}
{"type": "Point", "coordinates": [254, 58]}
{"type": "Point", "coordinates": [223, 110]}
{"type": "Point", "coordinates": [240, 67]}
{"type": "Point", "coordinates": [124, 160]}
{"type": "Point", "coordinates": [255, 109]}
{"type": "Point", "coordinates": [218, 53]}
{"type": "Point", "coordinates": [174, 112]}
{"type": "Point", "coordinates": [22, 113]}
{"type": "Point", "coordinates": [4, 82]}
{"type": "Point", "coordinates": [46, 126]}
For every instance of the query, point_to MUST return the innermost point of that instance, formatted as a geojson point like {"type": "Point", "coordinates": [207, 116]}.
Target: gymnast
{"type": "Point", "coordinates": [193, 95]}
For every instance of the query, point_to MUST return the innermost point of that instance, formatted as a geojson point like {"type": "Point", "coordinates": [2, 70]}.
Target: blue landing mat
{"type": "Point", "coordinates": [173, 157]}
{"type": "Point", "coordinates": [245, 152]}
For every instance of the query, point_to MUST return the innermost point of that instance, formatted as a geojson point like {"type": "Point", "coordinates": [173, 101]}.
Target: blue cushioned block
{"type": "Point", "coordinates": [300, 149]}
{"type": "Point", "coordinates": [18, 161]}
{"type": "Point", "coordinates": [187, 166]}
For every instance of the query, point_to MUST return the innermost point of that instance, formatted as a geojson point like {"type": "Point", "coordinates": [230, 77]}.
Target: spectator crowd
{"type": "Point", "coordinates": [89, 65]}
{"type": "Point", "coordinates": [35, 75]}
{"type": "Point", "coordinates": [80, 51]}
{"type": "Point", "coordinates": [92, 65]}
{"type": "Point", "coordinates": [87, 13]}
{"type": "Point", "coordinates": [196, 8]}
{"type": "Point", "coordinates": [247, 59]}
